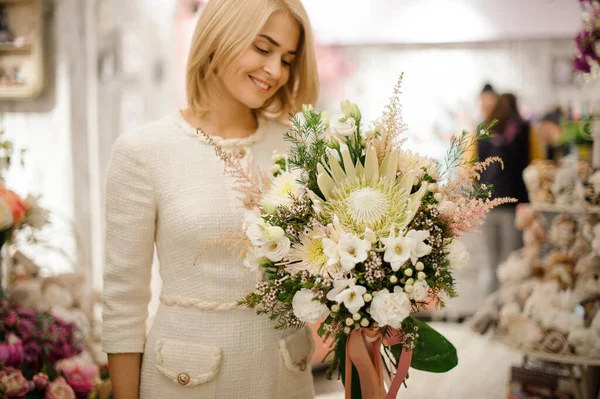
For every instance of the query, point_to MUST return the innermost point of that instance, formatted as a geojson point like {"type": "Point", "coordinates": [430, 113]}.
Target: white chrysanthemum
{"type": "Point", "coordinates": [368, 196]}
{"type": "Point", "coordinates": [409, 161]}
{"type": "Point", "coordinates": [309, 255]}
{"type": "Point", "coordinates": [285, 188]}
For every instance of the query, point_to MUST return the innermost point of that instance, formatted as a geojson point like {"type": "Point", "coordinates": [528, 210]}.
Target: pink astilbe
{"type": "Point", "coordinates": [466, 215]}
{"type": "Point", "coordinates": [249, 181]}
{"type": "Point", "coordinates": [389, 126]}
{"type": "Point", "coordinates": [466, 178]}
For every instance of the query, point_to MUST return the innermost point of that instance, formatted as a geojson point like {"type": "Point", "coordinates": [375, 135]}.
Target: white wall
{"type": "Point", "coordinates": [43, 127]}
{"type": "Point", "coordinates": [441, 21]}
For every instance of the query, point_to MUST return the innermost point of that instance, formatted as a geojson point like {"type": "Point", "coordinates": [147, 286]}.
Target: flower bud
{"type": "Point", "coordinates": [349, 321]}
{"type": "Point", "coordinates": [356, 316]}
{"type": "Point", "coordinates": [393, 279]}
{"type": "Point", "coordinates": [367, 297]}
{"type": "Point", "coordinates": [364, 323]}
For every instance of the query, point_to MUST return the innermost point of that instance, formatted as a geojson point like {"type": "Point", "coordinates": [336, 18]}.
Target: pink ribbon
{"type": "Point", "coordinates": [363, 351]}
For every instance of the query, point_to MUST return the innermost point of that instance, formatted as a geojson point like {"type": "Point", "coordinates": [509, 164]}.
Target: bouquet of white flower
{"type": "Point", "coordinates": [357, 233]}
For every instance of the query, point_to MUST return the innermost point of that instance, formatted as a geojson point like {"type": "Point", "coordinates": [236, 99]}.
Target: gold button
{"type": "Point", "coordinates": [183, 379]}
{"type": "Point", "coordinates": [302, 365]}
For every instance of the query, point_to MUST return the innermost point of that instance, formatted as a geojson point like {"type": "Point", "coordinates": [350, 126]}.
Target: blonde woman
{"type": "Point", "coordinates": [251, 62]}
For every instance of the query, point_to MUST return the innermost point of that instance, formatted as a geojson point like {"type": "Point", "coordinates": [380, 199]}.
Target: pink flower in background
{"type": "Point", "coordinates": [41, 381]}
{"type": "Point", "coordinates": [81, 375]}
{"type": "Point", "coordinates": [13, 384]}
{"type": "Point", "coordinates": [11, 351]}
{"type": "Point", "coordinates": [59, 389]}
{"type": "Point", "coordinates": [11, 320]}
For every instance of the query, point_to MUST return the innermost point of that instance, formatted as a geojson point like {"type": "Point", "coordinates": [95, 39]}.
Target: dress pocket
{"type": "Point", "coordinates": [295, 377]}
{"type": "Point", "coordinates": [190, 366]}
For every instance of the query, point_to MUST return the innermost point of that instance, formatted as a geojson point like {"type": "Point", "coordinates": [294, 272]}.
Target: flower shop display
{"type": "Point", "coordinates": [550, 297]}
{"type": "Point", "coordinates": [355, 230]}
{"type": "Point", "coordinates": [17, 214]}
{"type": "Point", "coordinates": [572, 184]}
{"type": "Point", "coordinates": [587, 58]}
{"type": "Point", "coordinates": [43, 356]}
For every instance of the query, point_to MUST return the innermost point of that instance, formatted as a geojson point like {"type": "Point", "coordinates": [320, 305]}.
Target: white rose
{"type": "Point", "coordinates": [458, 254]}
{"type": "Point", "coordinates": [390, 309]}
{"type": "Point", "coordinates": [277, 249]}
{"type": "Point", "coordinates": [420, 290]}
{"type": "Point", "coordinates": [306, 309]}
{"type": "Point", "coordinates": [342, 126]}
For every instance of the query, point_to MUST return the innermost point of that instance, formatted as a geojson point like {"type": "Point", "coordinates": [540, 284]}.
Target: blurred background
{"type": "Point", "coordinates": [75, 74]}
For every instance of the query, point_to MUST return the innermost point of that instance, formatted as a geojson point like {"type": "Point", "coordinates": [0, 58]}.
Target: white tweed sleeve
{"type": "Point", "coordinates": [129, 248]}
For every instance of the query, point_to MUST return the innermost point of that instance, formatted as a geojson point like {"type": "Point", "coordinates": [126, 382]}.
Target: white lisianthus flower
{"type": "Point", "coordinates": [306, 308]}
{"type": "Point", "coordinates": [420, 290]}
{"type": "Point", "coordinates": [342, 126]}
{"type": "Point", "coordinates": [458, 254]}
{"type": "Point", "coordinates": [254, 258]}
{"type": "Point", "coordinates": [390, 309]}
{"type": "Point", "coordinates": [418, 248]}
{"type": "Point", "coordinates": [276, 250]}
{"type": "Point", "coordinates": [348, 293]}
{"type": "Point", "coordinates": [252, 217]}
{"type": "Point", "coordinates": [256, 234]}
{"type": "Point", "coordinates": [350, 110]}
{"type": "Point", "coordinates": [397, 250]}
{"type": "Point", "coordinates": [260, 233]}
{"type": "Point", "coordinates": [285, 186]}
{"type": "Point", "coordinates": [352, 250]}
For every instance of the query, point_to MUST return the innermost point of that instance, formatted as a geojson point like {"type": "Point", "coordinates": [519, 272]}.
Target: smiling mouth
{"type": "Point", "coordinates": [262, 86]}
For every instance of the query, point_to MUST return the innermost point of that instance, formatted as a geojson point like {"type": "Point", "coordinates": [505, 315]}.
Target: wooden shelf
{"type": "Point", "coordinates": [8, 2]}
{"type": "Point", "coordinates": [11, 48]}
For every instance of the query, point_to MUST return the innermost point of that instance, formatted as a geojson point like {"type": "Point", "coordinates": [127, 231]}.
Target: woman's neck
{"type": "Point", "coordinates": [222, 120]}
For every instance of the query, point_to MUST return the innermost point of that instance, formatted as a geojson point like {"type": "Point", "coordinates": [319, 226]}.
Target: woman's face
{"type": "Point", "coordinates": [265, 67]}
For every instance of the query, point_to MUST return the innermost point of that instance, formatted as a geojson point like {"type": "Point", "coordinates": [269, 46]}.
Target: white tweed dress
{"type": "Point", "coordinates": [166, 187]}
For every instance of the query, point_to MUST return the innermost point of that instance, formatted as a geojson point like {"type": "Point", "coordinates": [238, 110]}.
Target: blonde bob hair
{"type": "Point", "coordinates": [225, 30]}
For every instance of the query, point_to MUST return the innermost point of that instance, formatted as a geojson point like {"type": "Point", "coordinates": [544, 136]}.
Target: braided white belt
{"type": "Point", "coordinates": [175, 300]}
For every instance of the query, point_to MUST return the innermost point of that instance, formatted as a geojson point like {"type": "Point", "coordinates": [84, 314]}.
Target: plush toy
{"type": "Point", "coordinates": [486, 316]}
{"type": "Point", "coordinates": [538, 178]}
{"type": "Point", "coordinates": [567, 188]}
{"type": "Point", "coordinates": [581, 247]}
{"type": "Point", "coordinates": [562, 231]}
{"type": "Point", "coordinates": [587, 283]}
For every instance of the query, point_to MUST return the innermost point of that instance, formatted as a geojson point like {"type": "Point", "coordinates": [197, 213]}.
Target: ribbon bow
{"type": "Point", "coordinates": [363, 351]}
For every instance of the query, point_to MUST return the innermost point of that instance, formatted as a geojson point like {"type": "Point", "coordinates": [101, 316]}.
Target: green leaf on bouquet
{"type": "Point", "coordinates": [432, 352]}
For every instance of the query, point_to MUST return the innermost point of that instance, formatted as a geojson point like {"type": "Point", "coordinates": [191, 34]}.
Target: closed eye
{"type": "Point", "coordinates": [261, 50]}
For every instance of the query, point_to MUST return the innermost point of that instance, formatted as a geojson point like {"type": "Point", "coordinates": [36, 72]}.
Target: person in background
{"type": "Point", "coordinates": [551, 133]}
{"type": "Point", "coordinates": [487, 100]}
{"type": "Point", "coordinates": [536, 150]}
{"type": "Point", "coordinates": [512, 143]}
